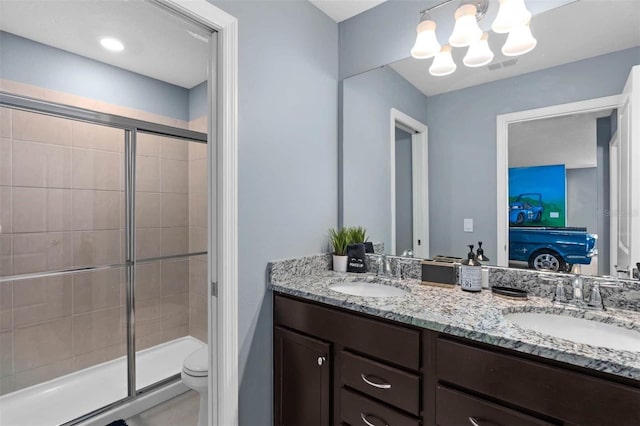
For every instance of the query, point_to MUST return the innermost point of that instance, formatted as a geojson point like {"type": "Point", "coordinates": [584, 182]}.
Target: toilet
{"type": "Point", "coordinates": [195, 375]}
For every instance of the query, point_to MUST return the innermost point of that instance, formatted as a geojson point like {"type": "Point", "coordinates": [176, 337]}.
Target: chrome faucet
{"type": "Point", "coordinates": [596, 300]}
{"type": "Point", "coordinates": [384, 266]}
{"type": "Point", "coordinates": [578, 289]}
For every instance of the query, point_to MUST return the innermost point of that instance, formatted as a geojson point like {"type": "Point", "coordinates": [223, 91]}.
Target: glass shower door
{"type": "Point", "coordinates": [62, 274]}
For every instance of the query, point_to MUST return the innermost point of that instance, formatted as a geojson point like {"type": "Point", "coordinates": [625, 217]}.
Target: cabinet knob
{"type": "Point", "coordinates": [321, 360]}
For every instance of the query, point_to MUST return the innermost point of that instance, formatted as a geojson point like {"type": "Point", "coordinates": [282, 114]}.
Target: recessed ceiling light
{"type": "Point", "coordinates": [112, 44]}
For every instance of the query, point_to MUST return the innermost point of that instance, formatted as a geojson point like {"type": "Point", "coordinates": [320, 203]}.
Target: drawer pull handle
{"type": "Point", "coordinates": [375, 385]}
{"type": "Point", "coordinates": [364, 417]}
{"type": "Point", "coordinates": [473, 421]}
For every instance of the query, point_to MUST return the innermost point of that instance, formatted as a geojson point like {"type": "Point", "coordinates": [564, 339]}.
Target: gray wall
{"type": "Point", "coordinates": [604, 133]}
{"type": "Point", "coordinates": [582, 196]}
{"type": "Point", "coordinates": [458, 152]}
{"type": "Point", "coordinates": [24, 60]}
{"type": "Point", "coordinates": [404, 192]}
{"type": "Point", "coordinates": [367, 102]}
{"type": "Point", "coordinates": [288, 109]}
{"type": "Point", "coordinates": [198, 101]}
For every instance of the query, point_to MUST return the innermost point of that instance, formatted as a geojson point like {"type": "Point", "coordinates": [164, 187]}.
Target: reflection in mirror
{"type": "Point", "coordinates": [460, 112]}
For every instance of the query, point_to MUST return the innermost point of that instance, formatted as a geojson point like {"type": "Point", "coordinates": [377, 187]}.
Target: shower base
{"type": "Point", "coordinates": [69, 397]}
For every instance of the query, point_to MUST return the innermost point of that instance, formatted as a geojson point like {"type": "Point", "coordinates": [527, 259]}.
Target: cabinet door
{"type": "Point", "coordinates": [302, 379]}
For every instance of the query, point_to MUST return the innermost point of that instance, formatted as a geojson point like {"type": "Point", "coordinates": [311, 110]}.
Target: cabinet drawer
{"type": "Point", "coordinates": [357, 410]}
{"type": "Point", "coordinates": [455, 408]}
{"type": "Point", "coordinates": [389, 342]}
{"type": "Point", "coordinates": [565, 395]}
{"type": "Point", "coordinates": [388, 384]}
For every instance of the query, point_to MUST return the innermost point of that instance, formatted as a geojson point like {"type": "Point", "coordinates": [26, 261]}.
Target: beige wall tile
{"type": "Point", "coordinates": [148, 145]}
{"type": "Point", "coordinates": [94, 136]}
{"type": "Point", "coordinates": [45, 373]}
{"type": "Point", "coordinates": [174, 241]}
{"type": "Point", "coordinates": [174, 176]}
{"type": "Point", "coordinates": [6, 305]}
{"type": "Point", "coordinates": [198, 210]}
{"type": "Point", "coordinates": [96, 330]}
{"type": "Point", "coordinates": [96, 290]}
{"type": "Point", "coordinates": [6, 354]}
{"type": "Point", "coordinates": [99, 356]}
{"type": "Point", "coordinates": [68, 99]}
{"type": "Point", "coordinates": [175, 210]}
{"type": "Point", "coordinates": [174, 304]}
{"type": "Point", "coordinates": [148, 243]}
{"type": "Point", "coordinates": [5, 123]}
{"type": "Point", "coordinates": [97, 170]}
{"type": "Point", "coordinates": [29, 209]}
{"type": "Point", "coordinates": [6, 210]}
{"type": "Point", "coordinates": [175, 333]}
{"type": "Point", "coordinates": [198, 176]}
{"type": "Point", "coordinates": [147, 210]}
{"type": "Point", "coordinates": [34, 127]}
{"type": "Point", "coordinates": [174, 149]}
{"type": "Point", "coordinates": [197, 239]}
{"type": "Point", "coordinates": [179, 319]}
{"type": "Point", "coordinates": [40, 165]}
{"type": "Point", "coordinates": [198, 317]}
{"type": "Point", "coordinates": [22, 89]}
{"type": "Point", "coordinates": [5, 161]}
{"type": "Point", "coordinates": [58, 210]}
{"type": "Point", "coordinates": [96, 210]}
{"type": "Point", "coordinates": [41, 299]}
{"type": "Point", "coordinates": [147, 174]}
{"type": "Point", "coordinates": [41, 252]}
{"type": "Point", "coordinates": [7, 385]}
{"type": "Point", "coordinates": [197, 151]}
{"type": "Point", "coordinates": [147, 281]}
{"type": "Point", "coordinates": [97, 248]}
{"type": "Point", "coordinates": [6, 255]}
{"type": "Point", "coordinates": [199, 124]}
{"type": "Point", "coordinates": [42, 344]}
{"type": "Point", "coordinates": [148, 311]}
{"type": "Point", "coordinates": [175, 276]}
{"type": "Point", "coordinates": [148, 334]}
{"type": "Point", "coordinates": [198, 276]}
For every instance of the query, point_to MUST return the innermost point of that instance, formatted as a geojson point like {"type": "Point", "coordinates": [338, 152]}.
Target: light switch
{"type": "Point", "coordinates": [468, 225]}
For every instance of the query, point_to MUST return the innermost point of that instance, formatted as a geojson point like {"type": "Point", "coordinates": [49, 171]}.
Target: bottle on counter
{"type": "Point", "coordinates": [470, 273]}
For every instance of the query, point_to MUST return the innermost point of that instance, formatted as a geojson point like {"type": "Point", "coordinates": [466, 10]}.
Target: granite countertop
{"type": "Point", "coordinates": [475, 316]}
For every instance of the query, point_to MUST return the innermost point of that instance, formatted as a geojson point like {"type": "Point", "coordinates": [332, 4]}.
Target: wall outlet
{"type": "Point", "coordinates": [468, 225]}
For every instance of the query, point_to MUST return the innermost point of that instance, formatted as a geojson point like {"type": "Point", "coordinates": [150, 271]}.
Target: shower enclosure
{"type": "Point", "coordinates": [103, 258]}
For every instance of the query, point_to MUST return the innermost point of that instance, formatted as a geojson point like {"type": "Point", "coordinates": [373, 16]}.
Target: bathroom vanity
{"type": "Point", "coordinates": [436, 356]}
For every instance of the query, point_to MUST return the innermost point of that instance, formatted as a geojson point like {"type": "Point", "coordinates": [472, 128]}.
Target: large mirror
{"type": "Point", "coordinates": [402, 126]}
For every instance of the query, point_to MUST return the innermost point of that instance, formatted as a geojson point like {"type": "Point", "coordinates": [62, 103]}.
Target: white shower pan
{"type": "Point", "coordinates": [68, 397]}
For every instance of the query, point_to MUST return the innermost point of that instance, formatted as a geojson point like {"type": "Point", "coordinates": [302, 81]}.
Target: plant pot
{"type": "Point", "coordinates": [340, 263]}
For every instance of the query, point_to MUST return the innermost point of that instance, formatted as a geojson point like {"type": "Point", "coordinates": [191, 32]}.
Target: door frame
{"type": "Point", "coordinates": [502, 152]}
{"type": "Point", "coordinates": [420, 181]}
{"type": "Point", "coordinates": [223, 199]}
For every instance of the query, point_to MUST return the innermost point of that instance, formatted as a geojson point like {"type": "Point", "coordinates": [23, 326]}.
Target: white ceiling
{"type": "Point", "coordinates": [157, 43]}
{"type": "Point", "coordinates": [340, 10]}
{"type": "Point", "coordinates": [569, 33]}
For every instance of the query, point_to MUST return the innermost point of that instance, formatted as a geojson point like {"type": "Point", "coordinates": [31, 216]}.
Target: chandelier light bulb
{"type": "Point", "coordinates": [426, 45]}
{"type": "Point", "coordinates": [479, 53]}
{"type": "Point", "coordinates": [466, 29]}
{"type": "Point", "coordinates": [512, 14]}
{"type": "Point", "coordinates": [519, 41]}
{"type": "Point", "coordinates": [443, 63]}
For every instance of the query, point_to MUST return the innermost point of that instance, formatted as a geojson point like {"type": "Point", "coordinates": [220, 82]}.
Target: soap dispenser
{"type": "Point", "coordinates": [470, 272]}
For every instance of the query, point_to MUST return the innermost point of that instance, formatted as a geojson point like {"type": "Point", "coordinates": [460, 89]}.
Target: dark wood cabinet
{"type": "Point", "coordinates": [302, 379]}
{"type": "Point", "coordinates": [379, 372]}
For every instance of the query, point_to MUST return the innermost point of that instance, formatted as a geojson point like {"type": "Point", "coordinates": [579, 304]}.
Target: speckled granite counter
{"type": "Point", "coordinates": [475, 316]}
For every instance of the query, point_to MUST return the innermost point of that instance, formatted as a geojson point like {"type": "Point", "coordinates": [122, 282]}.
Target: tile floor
{"type": "Point", "coordinates": [179, 411]}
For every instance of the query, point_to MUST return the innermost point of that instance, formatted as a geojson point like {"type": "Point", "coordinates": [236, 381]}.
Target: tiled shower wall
{"type": "Point", "coordinates": [61, 206]}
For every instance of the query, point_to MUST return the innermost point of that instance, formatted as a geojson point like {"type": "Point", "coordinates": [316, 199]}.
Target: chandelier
{"type": "Point", "coordinates": [513, 18]}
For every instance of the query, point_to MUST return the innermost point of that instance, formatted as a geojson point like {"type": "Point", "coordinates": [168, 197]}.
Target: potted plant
{"type": "Point", "coordinates": [359, 236]}
{"type": "Point", "coordinates": [339, 239]}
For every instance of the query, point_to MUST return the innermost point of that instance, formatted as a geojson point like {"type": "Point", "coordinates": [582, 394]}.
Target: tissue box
{"type": "Point", "coordinates": [438, 273]}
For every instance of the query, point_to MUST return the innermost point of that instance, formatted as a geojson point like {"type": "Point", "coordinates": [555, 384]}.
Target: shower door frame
{"type": "Point", "coordinates": [130, 127]}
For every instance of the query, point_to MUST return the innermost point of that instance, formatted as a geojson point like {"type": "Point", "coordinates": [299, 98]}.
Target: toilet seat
{"type": "Point", "coordinates": [197, 364]}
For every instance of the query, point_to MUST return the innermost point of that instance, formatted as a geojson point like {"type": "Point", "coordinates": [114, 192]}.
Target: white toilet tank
{"type": "Point", "coordinates": [197, 364]}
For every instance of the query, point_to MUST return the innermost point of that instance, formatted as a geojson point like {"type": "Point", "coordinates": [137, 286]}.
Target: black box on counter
{"type": "Point", "coordinates": [439, 273]}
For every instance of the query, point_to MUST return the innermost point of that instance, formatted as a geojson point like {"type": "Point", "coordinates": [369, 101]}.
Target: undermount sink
{"type": "Point", "coordinates": [367, 289]}
{"type": "Point", "coordinates": [578, 330]}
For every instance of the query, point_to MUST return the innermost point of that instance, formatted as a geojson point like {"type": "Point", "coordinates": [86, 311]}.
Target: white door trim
{"type": "Point", "coordinates": [223, 197]}
{"type": "Point", "coordinates": [502, 163]}
{"type": "Point", "coordinates": [613, 203]}
{"type": "Point", "coordinates": [420, 179]}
